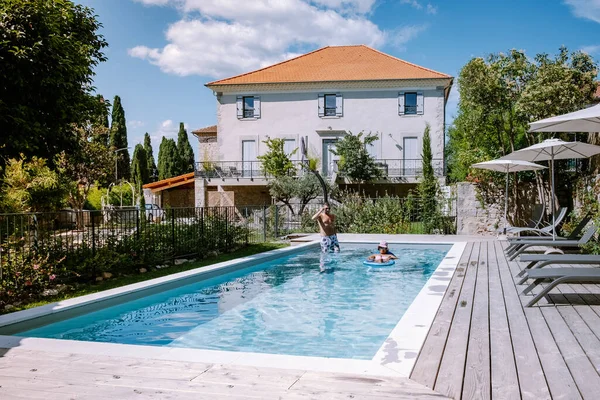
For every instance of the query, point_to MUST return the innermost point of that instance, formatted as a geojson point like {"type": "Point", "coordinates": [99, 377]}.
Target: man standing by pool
{"type": "Point", "coordinates": [326, 221]}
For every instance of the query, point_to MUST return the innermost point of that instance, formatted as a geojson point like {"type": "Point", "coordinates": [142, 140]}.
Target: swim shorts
{"type": "Point", "coordinates": [329, 243]}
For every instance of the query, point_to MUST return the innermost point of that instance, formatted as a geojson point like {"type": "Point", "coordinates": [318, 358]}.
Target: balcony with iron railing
{"type": "Point", "coordinates": [391, 168]}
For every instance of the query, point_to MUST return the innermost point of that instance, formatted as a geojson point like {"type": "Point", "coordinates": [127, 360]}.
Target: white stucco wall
{"type": "Point", "coordinates": [295, 114]}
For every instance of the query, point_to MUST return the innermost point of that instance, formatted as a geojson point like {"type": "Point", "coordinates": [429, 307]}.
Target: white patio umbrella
{"type": "Point", "coordinates": [550, 150]}
{"type": "Point", "coordinates": [586, 120]}
{"type": "Point", "coordinates": [507, 166]}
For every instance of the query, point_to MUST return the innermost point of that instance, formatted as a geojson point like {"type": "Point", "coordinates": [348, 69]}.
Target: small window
{"type": "Point", "coordinates": [410, 103]}
{"type": "Point", "coordinates": [330, 105]}
{"type": "Point", "coordinates": [248, 102]}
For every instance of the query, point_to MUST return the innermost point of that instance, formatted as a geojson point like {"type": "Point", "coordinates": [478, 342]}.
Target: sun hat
{"type": "Point", "coordinates": [383, 244]}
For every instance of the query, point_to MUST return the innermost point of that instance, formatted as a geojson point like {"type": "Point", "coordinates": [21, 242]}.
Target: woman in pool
{"type": "Point", "coordinates": [384, 254]}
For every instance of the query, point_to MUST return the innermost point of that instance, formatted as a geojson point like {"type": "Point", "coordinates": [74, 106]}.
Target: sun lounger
{"type": "Point", "coordinates": [536, 218]}
{"type": "Point", "coordinates": [515, 243]}
{"type": "Point", "coordinates": [537, 261]}
{"type": "Point", "coordinates": [557, 276]}
{"type": "Point", "coordinates": [555, 243]}
{"type": "Point", "coordinates": [546, 230]}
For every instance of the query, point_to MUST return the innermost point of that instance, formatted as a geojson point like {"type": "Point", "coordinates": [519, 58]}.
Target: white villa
{"type": "Point", "coordinates": [321, 96]}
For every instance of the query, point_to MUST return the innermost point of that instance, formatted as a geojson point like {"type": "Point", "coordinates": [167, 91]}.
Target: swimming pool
{"type": "Point", "coordinates": [282, 306]}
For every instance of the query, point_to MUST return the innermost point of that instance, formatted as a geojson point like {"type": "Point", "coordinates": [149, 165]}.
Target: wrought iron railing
{"type": "Point", "coordinates": [391, 168]}
{"type": "Point", "coordinates": [233, 169]}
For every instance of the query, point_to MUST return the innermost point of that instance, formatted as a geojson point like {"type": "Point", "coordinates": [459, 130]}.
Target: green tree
{"type": "Point", "coordinates": [168, 159]}
{"type": "Point", "coordinates": [48, 50]}
{"type": "Point", "coordinates": [428, 188]}
{"type": "Point", "coordinates": [185, 151]}
{"type": "Point", "coordinates": [30, 186]}
{"type": "Point", "coordinates": [275, 162]}
{"type": "Point", "coordinates": [80, 169]}
{"type": "Point", "coordinates": [139, 167]}
{"type": "Point", "coordinates": [151, 165]}
{"type": "Point", "coordinates": [501, 94]}
{"type": "Point", "coordinates": [356, 164]}
{"type": "Point", "coordinates": [118, 139]}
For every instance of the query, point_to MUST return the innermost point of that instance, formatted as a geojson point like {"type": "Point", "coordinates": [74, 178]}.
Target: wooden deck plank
{"type": "Point", "coordinates": [532, 381]}
{"type": "Point", "coordinates": [586, 338]}
{"type": "Point", "coordinates": [477, 380]}
{"type": "Point", "coordinates": [505, 382]}
{"type": "Point", "coordinates": [429, 359]}
{"type": "Point", "coordinates": [452, 368]}
{"type": "Point", "coordinates": [583, 372]}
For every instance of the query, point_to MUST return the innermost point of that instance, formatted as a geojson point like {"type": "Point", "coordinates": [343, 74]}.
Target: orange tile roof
{"type": "Point", "coordinates": [170, 182]}
{"type": "Point", "coordinates": [207, 130]}
{"type": "Point", "coordinates": [336, 63]}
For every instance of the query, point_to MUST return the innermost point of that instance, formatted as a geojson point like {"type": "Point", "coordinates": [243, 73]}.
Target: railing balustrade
{"type": "Point", "coordinates": [391, 168]}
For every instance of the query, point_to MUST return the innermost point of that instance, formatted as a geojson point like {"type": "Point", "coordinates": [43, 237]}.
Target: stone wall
{"type": "Point", "coordinates": [471, 217]}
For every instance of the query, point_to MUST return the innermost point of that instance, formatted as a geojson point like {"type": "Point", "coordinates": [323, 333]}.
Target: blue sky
{"type": "Point", "coordinates": [162, 52]}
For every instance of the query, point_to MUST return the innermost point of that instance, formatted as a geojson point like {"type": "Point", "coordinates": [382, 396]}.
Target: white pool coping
{"type": "Point", "coordinates": [396, 357]}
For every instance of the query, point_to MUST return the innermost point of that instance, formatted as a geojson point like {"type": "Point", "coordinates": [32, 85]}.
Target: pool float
{"type": "Point", "coordinates": [379, 264]}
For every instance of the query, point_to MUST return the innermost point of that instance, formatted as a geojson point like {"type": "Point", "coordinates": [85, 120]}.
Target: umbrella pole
{"type": "Point", "coordinates": [506, 202]}
{"type": "Point", "coordinates": [552, 202]}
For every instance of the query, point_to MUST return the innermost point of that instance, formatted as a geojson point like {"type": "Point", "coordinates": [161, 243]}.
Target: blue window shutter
{"type": "Point", "coordinates": [401, 103]}
{"type": "Point", "coordinates": [420, 103]}
{"type": "Point", "coordinates": [240, 107]}
{"type": "Point", "coordinates": [256, 106]}
{"type": "Point", "coordinates": [339, 105]}
{"type": "Point", "coordinates": [321, 105]}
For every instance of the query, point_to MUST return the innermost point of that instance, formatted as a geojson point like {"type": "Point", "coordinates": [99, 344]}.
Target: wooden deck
{"type": "Point", "coordinates": [484, 344]}
{"type": "Point", "coordinates": [60, 376]}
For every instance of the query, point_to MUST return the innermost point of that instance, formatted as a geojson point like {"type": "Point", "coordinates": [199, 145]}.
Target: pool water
{"type": "Point", "coordinates": [285, 306]}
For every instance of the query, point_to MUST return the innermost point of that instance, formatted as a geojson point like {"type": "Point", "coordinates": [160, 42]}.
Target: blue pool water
{"type": "Point", "coordinates": [285, 306]}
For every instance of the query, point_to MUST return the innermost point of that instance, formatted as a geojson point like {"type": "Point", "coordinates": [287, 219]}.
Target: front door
{"type": "Point", "coordinates": [412, 162]}
{"type": "Point", "coordinates": [249, 158]}
{"type": "Point", "coordinates": [328, 157]}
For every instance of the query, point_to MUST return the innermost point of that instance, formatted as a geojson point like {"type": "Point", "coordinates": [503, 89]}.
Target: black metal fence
{"type": "Point", "coordinates": [89, 242]}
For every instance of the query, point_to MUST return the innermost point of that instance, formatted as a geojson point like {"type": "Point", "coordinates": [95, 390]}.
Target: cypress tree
{"type": "Point", "coordinates": [139, 167]}
{"type": "Point", "coordinates": [428, 188]}
{"type": "Point", "coordinates": [151, 165]}
{"type": "Point", "coordinates": [168, 159]}
{"type": "Point", "coordinates": [118, 138]}
{"type": "Point", "coordinates": [185, 151]}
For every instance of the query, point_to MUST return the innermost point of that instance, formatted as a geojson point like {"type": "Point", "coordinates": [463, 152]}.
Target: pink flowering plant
{"type": "Point", "coordinates": [25, 274]}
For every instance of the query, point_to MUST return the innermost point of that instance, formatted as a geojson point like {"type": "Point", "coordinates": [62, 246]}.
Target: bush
{"type": "Point", "coordinates": [26, 273]}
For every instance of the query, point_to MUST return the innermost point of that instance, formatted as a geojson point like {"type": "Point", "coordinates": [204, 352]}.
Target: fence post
{"type": "Point", "coordinates": [137, 223]}
{"type": "Point", "coordinates": [264, 223]}
{"type": "Point", "coordinates": [173, 234]}
{"type": "Point", "coordinates": [227, 228]}
{"type": "Point", "coordinates": [93, 233]}
{"type": "Point", "coordinates": [276, 229]}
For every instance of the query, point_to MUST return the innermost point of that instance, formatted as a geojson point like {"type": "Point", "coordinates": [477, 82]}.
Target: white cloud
{"type": "Point", "coordinates": [591, 50]}
{"type": "Point", "coordinates": [588, 9]}
{"type": "Point", "coordinates": [135, 124]}
{"type": "Point", "coordinates": [399, 37]}
{"type": "Point", "coordinates": [219, 38]}
{"type": "Point", "coordinates": [412, 3]}
{"type": "Point", "coordinates": [431, 9]}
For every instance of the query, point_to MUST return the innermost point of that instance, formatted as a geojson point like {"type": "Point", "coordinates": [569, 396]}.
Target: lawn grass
{"type": "Point", "coordinates": [155, 273]}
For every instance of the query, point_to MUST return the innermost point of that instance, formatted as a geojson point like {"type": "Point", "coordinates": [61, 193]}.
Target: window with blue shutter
{"type": "Point", "coordinates": [410, 103]}
{"type": "Point", "coordinates": [330, 105]}
{"type": "Point", "coordinates": [248, 107]}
